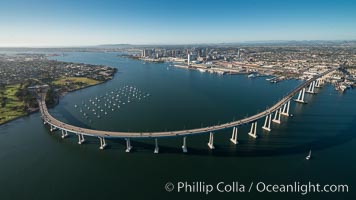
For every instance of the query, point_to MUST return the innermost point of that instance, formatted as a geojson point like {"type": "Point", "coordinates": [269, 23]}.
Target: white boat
{"type": "Point", "coordinates": [251, 76]}
{"type": "Point", "coordinates": [308, 156]}
{"type": "Point", "coordinates": [343, 87]}
{"type": "Point", "coordinates": [201, 69]}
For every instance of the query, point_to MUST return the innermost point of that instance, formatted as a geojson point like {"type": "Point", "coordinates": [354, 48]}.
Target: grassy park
{"type": "Point", "coordinates": [74, 83]}
{"type": "Point", "coordinates": [13, 98]}
{"type": "Point", "coordinates": [11, 106]}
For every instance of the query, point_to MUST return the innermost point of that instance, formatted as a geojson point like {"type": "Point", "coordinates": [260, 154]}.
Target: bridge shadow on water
{"type": "Point", "coordinates": [320, 143]}
{"type": "Point", "coordinates": [317, 143]}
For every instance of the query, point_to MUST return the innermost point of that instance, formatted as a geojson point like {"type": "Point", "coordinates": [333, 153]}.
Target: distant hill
{"type": "Point", "coordinates": [242, 43]}
{"type": "Point", "coordinates": [114, 46]}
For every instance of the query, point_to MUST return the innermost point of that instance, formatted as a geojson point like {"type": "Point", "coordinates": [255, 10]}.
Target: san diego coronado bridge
{"type": "Point", "coordinates": [272, 114]}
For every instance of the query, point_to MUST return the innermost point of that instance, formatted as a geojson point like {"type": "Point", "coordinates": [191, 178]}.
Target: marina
{"type": "Point", "coordinates": [101, 106]}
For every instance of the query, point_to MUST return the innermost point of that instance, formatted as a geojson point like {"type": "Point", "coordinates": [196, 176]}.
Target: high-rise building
{"type": "Point", "coordinates": [146, 53]}
{"type": "Point", "coordinates": [188, 59]}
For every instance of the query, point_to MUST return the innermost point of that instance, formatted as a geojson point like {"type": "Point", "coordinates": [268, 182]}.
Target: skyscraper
{"type": "Point", "coordinates": [188, 59]}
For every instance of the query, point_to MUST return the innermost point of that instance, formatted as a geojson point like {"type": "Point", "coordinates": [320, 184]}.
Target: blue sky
{"type": "Point", "coordinates": [88, 22]}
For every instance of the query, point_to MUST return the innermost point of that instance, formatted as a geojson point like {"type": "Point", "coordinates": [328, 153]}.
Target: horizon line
{"type": "Point", "coordinates": [178, 44]}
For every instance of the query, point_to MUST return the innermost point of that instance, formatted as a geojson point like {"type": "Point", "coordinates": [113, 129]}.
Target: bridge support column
{"type": "Point", "coordinates": [317, 84]}
{"type": "Point", "coordinates": [285, 110]}
{"type": "Point", "coordinates": [128, 145]}
{"type": "Point", "coordinates": [277, 116]}
{"type": "Point", "coordinates": [253, 130]}
{"type": "Point", "coordinates": [311, 88]}
{"type": "Point", "coordinates": [156, 146]}
{"type": "Point", "coordinates": [322, 81]}
{"type": "Point", "coordinates": [64, 134]}
{"type": "Point", "coordinates": [81, 139]}
{"type": "Point", "coordinates": [211, 141]}
{"type": "Point", "coordinates": [233, 138]}
{"type": "Point", "coordinates": [301, 95]}
{"type": "Point", "coordinates": [102, 143]}
{"type": "Point", "coordinates": [53, 128]}
{"type": "Point", "coordinates": [267, 125]}
{"type": "Point", "coordinates": [184, 146]}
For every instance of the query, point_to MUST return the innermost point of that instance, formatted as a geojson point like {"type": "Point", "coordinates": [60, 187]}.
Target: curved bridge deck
{"type": "Point", "coordinates": [48, 118]}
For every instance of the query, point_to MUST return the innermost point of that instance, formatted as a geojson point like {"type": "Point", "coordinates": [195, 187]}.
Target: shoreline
{"type": "Point", "coordinates": [20, 116]}
{"type": "Point", "coordinates": [217, 69]}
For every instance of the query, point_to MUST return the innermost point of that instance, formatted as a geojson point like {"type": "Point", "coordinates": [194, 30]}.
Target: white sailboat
{"type": "Point", "coordinates": [308, 156]}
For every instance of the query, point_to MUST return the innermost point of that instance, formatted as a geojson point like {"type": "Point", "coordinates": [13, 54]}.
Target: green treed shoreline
{"type": "Point", "coordinates": [16, 101]}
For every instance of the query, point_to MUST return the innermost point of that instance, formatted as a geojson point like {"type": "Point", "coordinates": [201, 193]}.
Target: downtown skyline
{"type": "Point", "coordinates": [38, 23]}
